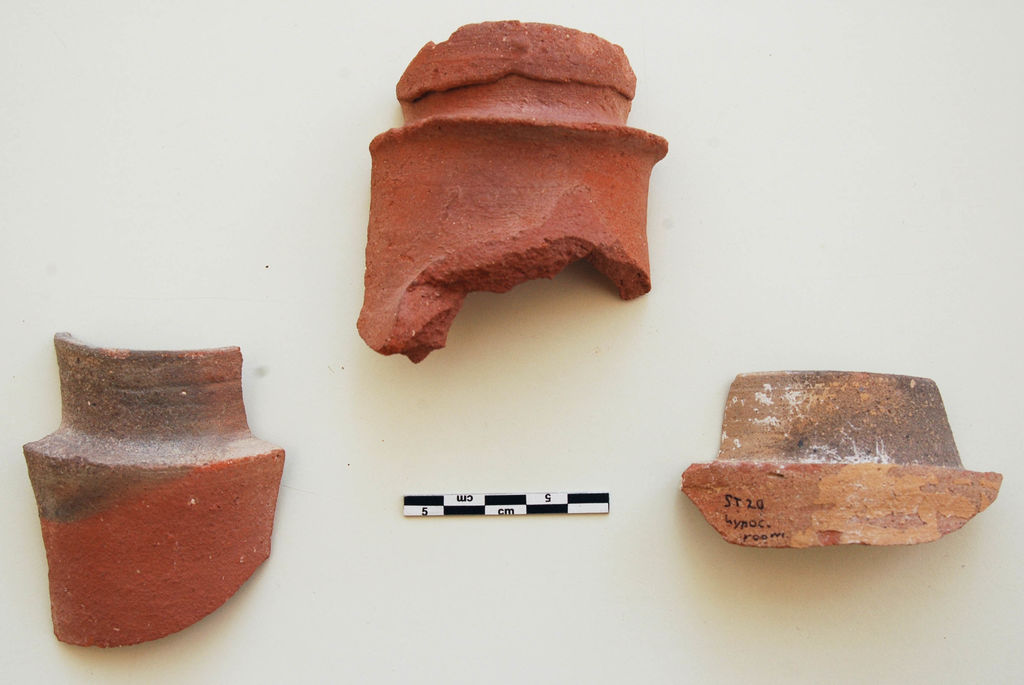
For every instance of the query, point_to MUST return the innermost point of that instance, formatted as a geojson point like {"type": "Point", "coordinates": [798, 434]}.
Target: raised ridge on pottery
{"type": "Point", "coordinates": [515, 70]}
{"type": "Point", "coordinates": [815, 458]}
{"type": "Point", "coordinates": [514, 161]}
{"type": "Point", "coordinates": [155, 501]}
{"type": "Point", "coordinates": [489, 51]}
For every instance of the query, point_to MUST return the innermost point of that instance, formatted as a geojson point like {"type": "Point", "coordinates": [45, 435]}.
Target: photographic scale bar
{"type": "Point", "coordinates": [506, 504]}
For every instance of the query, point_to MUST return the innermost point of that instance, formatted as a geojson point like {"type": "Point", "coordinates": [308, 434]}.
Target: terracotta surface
{"type": "Point", "coordinates": [156, 502]}
{"type": "Point", "coordinates": [827, 457]}
{"type": "Point", "coordinates": [514, 161]}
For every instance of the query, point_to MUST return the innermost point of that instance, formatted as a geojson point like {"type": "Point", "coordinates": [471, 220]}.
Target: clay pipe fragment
{"type": "Point", "coordinates": [514, 161]}
{"type": "Point", "coordinates": [155, 500]}
{"type": "Point", "coordinates": [812, 458]}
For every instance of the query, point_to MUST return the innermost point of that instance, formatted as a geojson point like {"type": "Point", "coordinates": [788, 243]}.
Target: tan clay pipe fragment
{"type": "Point", "coordinates": [155, 500]}
{"type": "Point", "coordinates": [513, 162]}
{"type": "Point", "coordinates": [815, 458]}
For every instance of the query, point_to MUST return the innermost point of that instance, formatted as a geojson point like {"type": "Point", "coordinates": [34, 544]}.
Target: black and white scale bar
{"type": "Point", "coordinates": [473, 504]}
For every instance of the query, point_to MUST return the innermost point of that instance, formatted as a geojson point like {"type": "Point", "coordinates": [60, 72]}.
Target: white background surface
{"type": "Point", "coordinates": [843, 190]}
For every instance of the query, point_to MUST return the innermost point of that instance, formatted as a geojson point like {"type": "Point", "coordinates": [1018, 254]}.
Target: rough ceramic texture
{"type": "Point", "coordinates": [514, 161]}
{"type": "Point", "coordinates": [826, 458]}
{"type": "Point", "coordinates": [156, 502]}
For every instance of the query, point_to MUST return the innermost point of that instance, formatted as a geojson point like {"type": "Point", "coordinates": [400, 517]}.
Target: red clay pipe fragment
{"type": "Point", "coordinates": [156, 502]}
{"type": "Point", "coordinates": [513, 162]}
{"type": "Point", "coordinates": [813, 458]}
